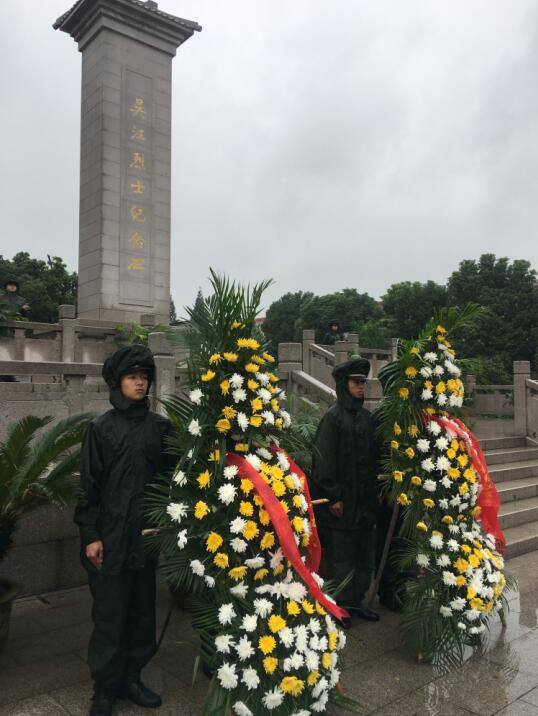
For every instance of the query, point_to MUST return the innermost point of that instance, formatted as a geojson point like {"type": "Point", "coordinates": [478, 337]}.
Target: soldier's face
{"type": "Point", "coordinates": [356, 387]}
{"type": "Point", "coordinates": [134, 386]}
{"type": "Point", "coordinates": [11, 287]}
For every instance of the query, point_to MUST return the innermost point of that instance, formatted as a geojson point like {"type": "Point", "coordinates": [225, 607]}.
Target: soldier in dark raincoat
{"type": "Point", "coordinates": [123, 450]}
{"type": "Point", "coordinates": [344, 470]}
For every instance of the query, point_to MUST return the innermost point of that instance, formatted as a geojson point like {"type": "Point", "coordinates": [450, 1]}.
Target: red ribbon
{"type": "Point", "coordinates": [284, 532]}
{"type": "Point", "coordinates": [488, 497]}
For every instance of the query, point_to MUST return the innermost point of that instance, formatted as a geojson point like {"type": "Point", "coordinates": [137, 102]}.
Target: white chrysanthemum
{"type": "Point", "coordinates": [441, 443]}
{"type": "Point", "coordinates": [434, 428]}
{"type": "Point", "coordinates": [180, 478]}
{"type": "Point", "coordinates": [244, 648]}
{"type": "Point", "coordinates": [272, 699]}
{"type": "Point", "coordinates": [238, 545]}
{"type": "Point", "coordinates": [242, 421]}
{"type": "Point", "coordinates": [230, 471]}
{"type": "Point", "coordinates": [251, 678]}
{"type": "Point", "coordinates": [445, 611]}
{"type": "Point", "coordinates": [223, 643]}
{"type": "Point", "coordinates": [262, 378]}
{"type": "Point", "coordinates": [342, 638]}
{"type": "Point", "coordinates": [472, 614]}
{"type": "Point", "coordinates": [477, 629]}
{"type": "Point", "coordinates": [269, 417]}
{"type": "Point", "coordinates": [426, 372]}
{"type": "Point", "coordinates": [197, 567]}
{"type": "Point", "coordinates": [323, 643]}
{"type": "Point", "coordinates": [426, 394]}
{"type": "Point", "coordinates": [458, 604]}
{"type": "Point", "coordinates": [459, 401]}
{"type": "Point", "coordinates": [226, 613]}
{"type": "Point", "coordinates": [250, 622]}
{"type": "Point", "coordinates": [452, 368]}
{"type": "Point", "coordinates": [195, 396]}
{"type": "Point", "coordinates": [443, 560]}
{"type": "Point", "coordinates": [227, 493]}
{"type": "Point", "coordinates": [454, 529]}
{"type": "Point", "coordinates": [239, 590]}
{"type": "Point", "coordinates": [442, 463]}
{"type": "Point", "coordinates": [182, 539]}
{"type": "Point", "coordinates": [286, 636]}
{"type": "Point", "coordinates": [436, 541]}
{"type": "Point", "coordinates": [318, 579]}
{"type": "Point", "coordinates": [240, 709]}
{"type": "Point", "coordinates": [263, 607]}
{"type": "Point", "coordinates": [314, 625]}
{"type": "Point", "coordinates": [462, 626]}
{"type": "Point", "coordinates": [430, 357]}
{"type": "Point", "coordinates": [453, 546]}
{"type": "Point", "coordinates": [445, 482]}
{"type": "Point", "coordinates": [209, 580]}
{"type": "Point", "coordinates": [449, 578]}
{"type": "Point", "coordinates": [429, 485]}
{"type": "Point", "coordinates": [237, 380]}
{"type": "Point", "coordinates": [227, 676]}
{"type": "Point", "coordinates": [438, 370]}
{"type": "Point", "coordinates": [286, 417]}
{"type": "Point", "coordinates": [301, 638]}
{"type": "Point", "coordinates": [314, 643]}
{"type": "Point", "coordinates": [312, 660]}
{"type": "Point", "coordinates": [255, 562]}
{"type": "Point", "coordinates": [195, 428]}
{"type": "Point", "coordinates": [177, 510]}
{"type": "Point", "coordinates": [264, 453]}
{"type": "Point", "coordinates": [283, 461]}
{"type": "Point", "coordinates": [254, 460]}
{"type": "Point", "coordinates": [320, 705]}
{"type": "Point", "coordinates": [443, 503]}
{"type": "Point", "coordinates": [442, 399]}
{"type": "Point", "coordinates": [428, 465]}
{"type": "Point", "coordinates": [302, 712]}
{"type": "Point", "coordinates": [423, 445]}
{"type": "Point", "coordinates": [319, 687]}
{"type": "Point", "coordinates": [296, 591]}
{"type": "Point", "coordinates": [455, 501]}
{"type": "Point", "coordinates": [276, 558]}
{"type": "Point", "coordinates": [237, 525]}
{"type": "Point", "coordinates": [423, 560]}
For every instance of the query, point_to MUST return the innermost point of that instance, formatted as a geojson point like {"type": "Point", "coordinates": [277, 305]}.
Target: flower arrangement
{"type": "Point", "coordinates": [438, 475]}
{"type": "Point", "coordinates": [237, 525]}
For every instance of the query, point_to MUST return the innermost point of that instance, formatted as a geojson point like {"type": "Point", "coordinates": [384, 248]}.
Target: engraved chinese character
{"type": "Point", "coordinates": [137, 187]}
{"type": "Point", "coordinates": [138, 134]}
{"type": "Point", "coordinates": [137, 240]}
{"type": "Point", "coordinates": [136, 264]}
{"type": "Point", "coordinates": [137, 161]}
{"type": "Point", "coordinates": [137, 214]}
{"type": "Point", "coordinates": [138, 110]}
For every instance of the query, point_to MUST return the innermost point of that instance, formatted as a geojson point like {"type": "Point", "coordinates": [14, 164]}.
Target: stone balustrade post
{"type": "Point", "coordinates": [290, 358]}
{"type": "Point", "coordinates": [165, 368]}
{"type": "Point", "coordinates": [353, 343]}
{"type": "Point", "coordinates": [309, 337]}
{"type": "Point", "coordinates": [66, 313]}
{"type": "Point", "coordinates": [470, 385]}
{"type": "Point", "coordinates": [18, 343]}
{"type": "Point", "coordinates": [393, 349]}
{"type": "Point", "coordinates": [522, 371]}
{"type": "Point", "coordinates": [340, 352]}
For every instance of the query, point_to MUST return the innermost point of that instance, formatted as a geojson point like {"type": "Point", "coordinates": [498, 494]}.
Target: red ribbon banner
{"type": "Point", "coordinates": [488, 497]}
{"type": "Point", "coordinates": [284, 532]}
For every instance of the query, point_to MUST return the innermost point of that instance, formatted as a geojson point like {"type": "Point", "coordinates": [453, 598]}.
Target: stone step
{"type": "Point", "coordinates": [503, 442]}
{"type": "Point", "coordinates": [513, 471]}
{"type": "Point", "coordinates": [515, 454]}
{"type": "Point", "coordinates": [515, 490]}
{"type": "Point", "coordinates": [520, 512]}
{"type": "Point", "coordinates": [521, 539]}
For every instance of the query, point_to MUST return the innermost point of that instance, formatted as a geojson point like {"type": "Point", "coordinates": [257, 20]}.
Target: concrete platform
{"type": "Point", "coordinates": [43, 670]}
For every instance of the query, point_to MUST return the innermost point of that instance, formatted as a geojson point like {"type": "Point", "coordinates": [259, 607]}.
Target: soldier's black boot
{"type": "Point", "coordinates": [140, 695]}
{"type": "Point", "coordinates": [102, 701]}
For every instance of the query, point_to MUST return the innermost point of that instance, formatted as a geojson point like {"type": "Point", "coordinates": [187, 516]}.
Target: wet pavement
{"type": "Point", "coordinates": [43, 670]}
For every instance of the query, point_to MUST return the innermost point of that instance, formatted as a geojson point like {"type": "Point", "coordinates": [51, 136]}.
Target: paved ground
{"type": "Point", "coordinates": [43, 672]}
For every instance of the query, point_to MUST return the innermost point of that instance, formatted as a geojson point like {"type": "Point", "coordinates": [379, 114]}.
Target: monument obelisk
{"type": "Point", "coordinates": [127, 49]}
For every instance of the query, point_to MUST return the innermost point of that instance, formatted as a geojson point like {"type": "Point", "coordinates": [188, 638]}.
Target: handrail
{"type": "Point", "coordinates": [24, 367]}
{"type": "Point", "coordinates": [31, 325]}
{"type": "Point", "coordinates": [531, 384]}
{"type": "Point", "coordinates": [494, 387]}
{"type": "Point", "coordinates": [322, 391]}
{"type": "Point", "coordinates": [315, 348]}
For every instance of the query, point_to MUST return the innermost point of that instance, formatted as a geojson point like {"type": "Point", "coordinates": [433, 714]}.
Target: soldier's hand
{"type": "Point", "coordinates": [94, 552]}
{"type": "Point", "coordinates": [337, 509]}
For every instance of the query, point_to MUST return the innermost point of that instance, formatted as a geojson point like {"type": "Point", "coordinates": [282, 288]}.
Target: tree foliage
{"type": "Point", "coordinates": [412, 304]}
{"type": "Point", "coordinates": [44, 284]}
{"type": "Point", "coordinates": [282, 317]}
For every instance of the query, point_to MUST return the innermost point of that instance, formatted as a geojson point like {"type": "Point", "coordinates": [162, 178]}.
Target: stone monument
{"type": "Point", "coordinates": [127, 48]}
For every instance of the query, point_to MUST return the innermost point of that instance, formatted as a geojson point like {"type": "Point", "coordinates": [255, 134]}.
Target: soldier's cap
{"type": "Point", "coordinates": [127, 360]}
{"type": "Point", "coordinates": [357, 368]}
{"type": "Point", "coordinates": [333, 323]}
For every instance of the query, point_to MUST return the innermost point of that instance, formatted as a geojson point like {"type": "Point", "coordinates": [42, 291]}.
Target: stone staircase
{"type": "Point", "coordinates": [513, 466]}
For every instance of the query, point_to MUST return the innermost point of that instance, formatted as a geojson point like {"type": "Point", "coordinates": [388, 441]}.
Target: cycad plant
{"type": "Point", "coordinates": [37, 468]}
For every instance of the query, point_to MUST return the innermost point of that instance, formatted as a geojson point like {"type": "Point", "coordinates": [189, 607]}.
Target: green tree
{"type": "Point", "coordinates": [280, 325]}
{"type": "Point", "coordinates": [348, 306]}
{"type": "Point", "coordinates": [44, 284]}
{"type": "Point", "coordinates": [376, 333]}
{"type": "Point", "coordinates": [410, 305]}
{"type": "Point", "coordinates": [509, 291]}
{"type": "Point", "coordinates": [173, 314]}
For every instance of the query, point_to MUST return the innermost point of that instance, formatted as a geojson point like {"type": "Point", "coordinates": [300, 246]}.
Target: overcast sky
{"type": "Point", "coordinates": [353, 143]}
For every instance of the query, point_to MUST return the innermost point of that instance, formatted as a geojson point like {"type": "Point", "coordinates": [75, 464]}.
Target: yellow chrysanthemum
{"type": "Point", "coordinates": [428, 503]}
{"type": "Point", "coordinates": [394, 444]}
{"type": "Point", "coordinates": [312, 678]}
{"type": "Point", "coordinates": [396, 429]}
{"type": "Point", "coordinates": [413, 430]}
{"type": "Point", "coordinates": [320, 610]}
{"type": "Point", "coordinates": [278, 569]}
{"type": "Point", "coordinates": [266, 644]}
{"type": "Point", "coordinates": [213, 541]}
{"type": "Point", "coordinates": [333, 640]}
{"type": "Point", "coordinates": [208, 375]}
{"type": "Point", "coordinates": [402, 499]}
{"type": "Point", "coordinates": [398, 475]}
{"type": "Point", "coordinates": [252, 368]}
{"type": "Point", "coordinates": [200, 510]}
{"type": "Point", "coordinates": [250, 530]}
{"type": "Point", "coordinates": [404, 393]}
{"type": "Point", "coordinates": [410, 453]}
{"type": "Point", "coordinates": [422, 526]}
{"type": "Point", "coordinates": [326, 661]}
{"type": "Point", "coordinates": [225, 387]}
{"type": "Point", "coordinates": [276, 623]}
{"type": "Point", "coordinates": [257, 359]}
{"type": "Point", "coordinates": [411, 372]}
{"type": "Point", "coordinates": [298, 524]}
{"type": "Point", "coordinates": [223, 425]}
{"type": "Point", "coordinates": [230, 357]}
{"type": "Point", "coordinates": [237, 573]}
{"type": "Point", "coordinates": [204, 478]}
{"type": "Point", "coordinates": [278, 487]}
{"type": "Point", "coordinates": [447, 520]}
{"type": "Point", "coordinates": [307, 606]}
{"type": "Point", "coordinates": [461, 581]}
{"type": "Point", "coordinates": [214, 456]}
{"type": "Point", "coordinates": [246, 486]}
{"type": "Point", "coordinates": [261, 574]}
{"type": "Point", "coordinates": [251, 343]}
{"type": "Point", "coordinates": [269, 358]}
{"type": "Point", "coordinates": [292, 685]}
{"type": "Point", "coordinates": [279, 423]}
{"type": "Point", "coordinates": [293, 608]}
{"type": "Point", "coordinates": [241, 447]}
{"type": "Point", "coordinates": [246, 509]}
{"type": "Point", "coordinates": [229, 412]}
{"type": "Point", "coordinates": [416, 481]}
{"type": "Point", "coordinates": [215, 359]}
{"type": "Point", "coordinates": [264, 518]}
{"type": "Point", "coordinates": [252, 384]}
{"type": "Point", "coordinates": [461, 564]}
{"type": "Point", "coordinates": [256, 404]}
{"type": "Point", "coordinates": [268, 540]}
{"type": "Point", "coordinates": [256, 421]}
{"type": "Point", "coordinates": [236, 324]}
{"type": "Point", "coordinates": [269, 664]}
{"type": "Point", "coordinates": [275, 405]}
{"type": "Point", "coordinates": [220, 560]}
{"type": "Point", "coordinates": [440, 387]}
{"type": "Point", "coordinates": [465, 549]}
